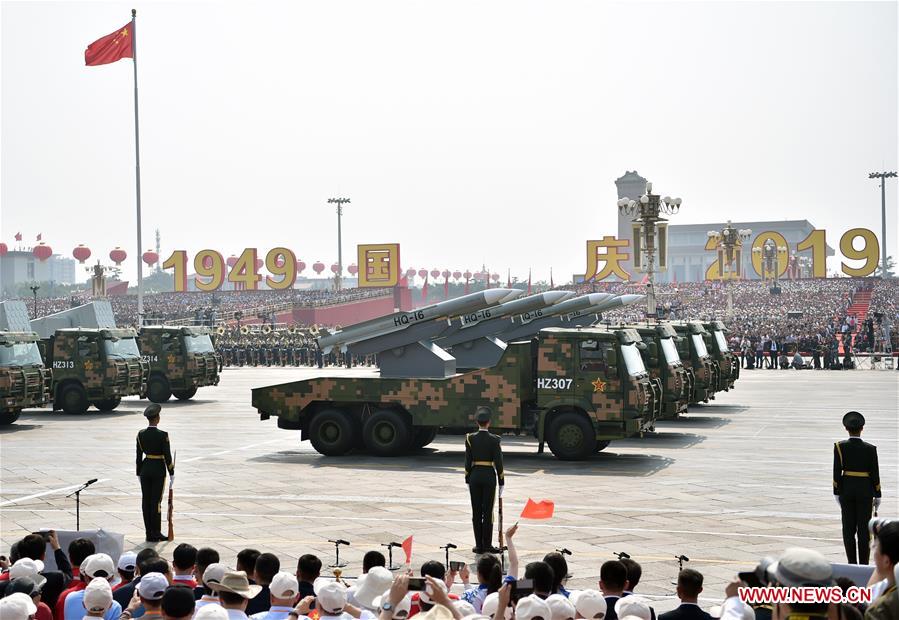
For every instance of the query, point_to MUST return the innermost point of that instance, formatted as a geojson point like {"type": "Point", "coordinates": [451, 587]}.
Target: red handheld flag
{"type": "Point", "coordinates": [424, 290]}
{"type": "Point", "coordinates": [18, 236]}
{"type": "Point", "coordinates": [112, 47]}
{"type": "Point", "coordinates": [39, 236]}
{"type": "Point", "coordinates": [407, 549]}
{"type": "Point", "coordinates": [538, 510]}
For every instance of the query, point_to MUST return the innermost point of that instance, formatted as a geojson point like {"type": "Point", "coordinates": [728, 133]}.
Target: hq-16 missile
{"type": "Point", "coordinates": [589, 316]}
{"type": "Point", "coordinates": [596, 303]}
{"type": "Point", "coordinates": [399, 321]}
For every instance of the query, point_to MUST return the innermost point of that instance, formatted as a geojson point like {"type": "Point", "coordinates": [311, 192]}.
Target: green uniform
{"type": "Point", "coordinates": [856, 481]}
{"type": "Point", "coordinates": [152, 468]}
{"type": "Point", "coordinates": [483, 466]}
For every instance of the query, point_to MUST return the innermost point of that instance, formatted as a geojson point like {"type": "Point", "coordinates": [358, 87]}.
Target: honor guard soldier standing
{"type": "Point", "coordinates": [154, 458]}
{"type": "Point", "coordinates": [483, 467]}
{"type": "Point", "coordinates": [856, 486]}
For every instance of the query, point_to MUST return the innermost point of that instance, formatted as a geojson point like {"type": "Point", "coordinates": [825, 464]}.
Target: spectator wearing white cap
{"type": "Point", "coordinates": [633, 606]}
{"type": "Point", "coordinates": [589, 604]}
{"type": "Point", "coordinates": [400, 611]}
{"type": "Point", "coordinates": [32, 587]}
{"type": "Point", "coordinates": [491, 605]}
{"type": "Point", "coordinates": [18, 606]}
{"type": "Point", "coordinates": [532, 607]}
{"type": "Point", "coordinates": [98, 565]}
{"type": "Point", "coordinates": [689, 586]}
{"type": "Point", "coordinates": [34, 546]}
{"type": "Point", "coordinates": [212, 575]}
{"type": "Point", "coordinates": [97, 598]}
{"type": "Point", "coordinates": [151, 589]}
{"type": "Point", "coordinates": [370, 586]}
{"type": "Point", "coordinates": [560, 607]}
{"type": "Point", "coordinates": [283, 591]}
{"type": "Point", "coordinates": [148, 561]}
{"type": "Point", "coordinates": [211, 612]}
{"type": "Point", "coordinates": [442, 607]}
{"type": "Point", "coordinates": [126, 566]}
{"type": "Point", "coordinates": [331, 601]}
{"type": "Point", "coordinates": [235, 592]}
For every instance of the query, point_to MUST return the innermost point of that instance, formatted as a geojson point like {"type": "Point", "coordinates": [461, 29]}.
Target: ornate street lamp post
{"type": "Point", "coordinates": [647, 211]}
{"type": "Point", "coordinates": [728, 240]}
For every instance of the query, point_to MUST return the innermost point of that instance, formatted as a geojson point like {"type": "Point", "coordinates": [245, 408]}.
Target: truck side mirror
{"type": "Point", "coordinates": [652, 350]}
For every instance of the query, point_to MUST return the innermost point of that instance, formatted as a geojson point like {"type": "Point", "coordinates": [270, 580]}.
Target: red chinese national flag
{"type": "Point", "coordinates": [407, 549]}
{"type": "Point", "coordinates": [112, 47]}
{"type": "Point", "coordinates": [538, 510]}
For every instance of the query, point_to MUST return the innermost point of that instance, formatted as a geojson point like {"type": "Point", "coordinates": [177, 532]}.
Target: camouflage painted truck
{"type": "Point", "coordinates": [695, 356]}
{"type": "Point", "coordinates": [664, 363]}
{"type": "Point", "coordinates": [575, 389]}
{"type": "Point", "coordinates": [95, 367]}
{"type": "Point", "coordinates": [728, 363]}
{"type": "Point", "coordinates": [181, 359]}
{"type": "Point", "coordinates": [24, 382]}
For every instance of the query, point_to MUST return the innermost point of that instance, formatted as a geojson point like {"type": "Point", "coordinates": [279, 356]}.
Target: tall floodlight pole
{"type": "Point", "coordinates": [883, 176]}
{"type": "Point", "coordinates": [727, 240]}
{"type": "Point", "coordinates": [339, 202]}
{"type": "Point", "coordinates": [647, 210]}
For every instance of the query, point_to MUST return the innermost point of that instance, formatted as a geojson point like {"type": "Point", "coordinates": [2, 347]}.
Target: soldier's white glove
{"type": "Point", "coordinates": [171, 481]}
{"type": "Point", "coordinates": [836, 498]}
{"type": "Point", "coordinates": [877, 502]}
{"type": "Point", "coordinates": [501, 487]}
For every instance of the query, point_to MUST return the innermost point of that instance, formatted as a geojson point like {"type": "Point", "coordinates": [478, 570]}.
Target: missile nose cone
{"type": "Point", "coordinates": [553, 297]}
{"type": "Point", "coordinates": [627, 300]}
{"type": "Point", "coordinates": [494, 296]}
{"type": "Point", "coordinates": [597, 298]}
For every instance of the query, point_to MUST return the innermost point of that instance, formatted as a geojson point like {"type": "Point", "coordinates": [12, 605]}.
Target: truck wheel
{"type": "Point", "coordinates": [158, 390]}
{"type": "Point", "coordinates": [74, 400]}
{"type": "Point", "coordinates": [601, 445]}
{"type": "Point", "coordinates": [424, 435]}
{"type": "Point", "coordinates": [332, 432]}
{"type": "Point", "coordinates": [571, 436]}
{"type": "Point", "coordinates": [185, 394]}
{"type": "Point", "coordinates": [8, 417]}
{"type": "Point", "coordinates": [107, 404]}
{"type": "Point", "coordinates": [387, 433]}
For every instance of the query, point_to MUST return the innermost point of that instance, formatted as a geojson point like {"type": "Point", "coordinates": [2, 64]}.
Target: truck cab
{"type": "Point", "coordinates": [592, 387]}
{"type": "Point", "coordinates": [728, 363]}
{"type": "Point", "coordinates": [181, 360]}
{"type": "Point", "coordinates": [664, 363]}
{"type": "Point", "coordinates": [695, 356]}
{"type": "Point", "coordinates": [24, 382]}
{"type": "Point", "coordinates": [94, 366]}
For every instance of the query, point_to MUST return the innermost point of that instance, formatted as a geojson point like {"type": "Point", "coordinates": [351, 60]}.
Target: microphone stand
{"type": "Point", "coordinates": [77, 494]}
{"type": "Point", "coordinates": [337, 543]}
{"type": "Point", "coordinates": [447, 548]}
{"type": "Point", "coordinates": [390, 547]}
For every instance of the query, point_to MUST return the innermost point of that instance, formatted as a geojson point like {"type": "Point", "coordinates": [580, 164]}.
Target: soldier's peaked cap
{"type": "Point", "coordinates": [482, 414]}
{"type": "Point", "coordinates": [853, 421]}
{"type": "Point", "coordinates": [152, 411]}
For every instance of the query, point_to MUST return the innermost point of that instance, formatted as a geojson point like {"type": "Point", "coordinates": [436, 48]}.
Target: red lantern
{"type": "Point", "coordinates": [150, 257]}
{"type": "Point", "coordinates": [353, 269]}
{"type": "Point", "coordinates": [435, 273]}
{"type": "Point", "coordinates": [3, 249]}
{"type": "Point", "coordinates": [446, 274]}
{"type": "Point", "coordinates": [318, 267]}
{"type": "Point", "coordinates": [410, 273]}
{"type": "Point", "coordinates": [81, 253]}
{"type": "Point", "coordinates": [232, 260]}
{"type": "Point", "coordinates": [495, 277]}
{"type": "Point", "coordinates": [457, 274]}
{"type": "Point", "coordinates": [335, 268]}
{"type": "Point", "coordinates": [118, 255]}
{"type": "Point", "coordinates": [422, 273]}
{"type": "Point", "coordinates": [467, 274]}
{"type": "Point", "coordinates": [42, 251]}
{"type": "Point", "coordinates": [300, 266]}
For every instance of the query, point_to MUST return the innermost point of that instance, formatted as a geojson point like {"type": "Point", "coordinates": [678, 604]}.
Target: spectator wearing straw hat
{"type": "Point", "coordinates": [235, 592]}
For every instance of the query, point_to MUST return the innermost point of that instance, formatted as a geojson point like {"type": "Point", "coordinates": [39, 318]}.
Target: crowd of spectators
{"type": "Point", "coordinates": [198, 584]}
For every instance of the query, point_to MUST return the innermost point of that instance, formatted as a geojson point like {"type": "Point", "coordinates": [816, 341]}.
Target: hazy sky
{"type": "Point", "coordinates": [466, 131]}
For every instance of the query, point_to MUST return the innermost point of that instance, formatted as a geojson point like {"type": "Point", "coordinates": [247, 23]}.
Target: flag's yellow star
{"type": "Point", "coordinates": [124, 32]}
{"type": "Point", "coordinates": [599, 385]}
{"type": "Point", "coordinates": [88, 365]}
{"type": "Point", "coordinates": [171, 359]}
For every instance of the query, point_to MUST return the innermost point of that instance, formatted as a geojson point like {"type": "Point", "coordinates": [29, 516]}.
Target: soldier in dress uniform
{"type": "Point", "coordinates": [856, 486]}
{"type": "Point", "coordinates": [483, 467]}
{"type": "Point", "coordinates": [154, 458]}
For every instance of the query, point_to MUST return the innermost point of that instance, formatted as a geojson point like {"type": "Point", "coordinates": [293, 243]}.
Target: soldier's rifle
{"type": "Point", "coordinates": [171, 510]}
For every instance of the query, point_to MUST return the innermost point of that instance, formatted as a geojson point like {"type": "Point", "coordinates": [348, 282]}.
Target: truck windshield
{"type": "Point", "coordinates": [19, 354]}
{"type": "Point", "coordinates": [699, 343]}
{"type": "Point", "coordinates": [123, 347]}
{"type": "Point", "coordinates": [670, 351]}
{"type": "Point", "coordinates": [722, 343]}
{"type": "Point", "coordinates": [198, 344]}
{"type": "Point", "coordinates": [632, 359]}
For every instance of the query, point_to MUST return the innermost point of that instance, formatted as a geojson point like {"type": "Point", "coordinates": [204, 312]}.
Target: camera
{"type": "Point", "coordinates": [522, 588]}
{"type": "Point", "coordinates": [417, 584]}
{"type": "Point", "coordinates": [758, 577]}
{"type": "Point", "coordinates": [456, 566]}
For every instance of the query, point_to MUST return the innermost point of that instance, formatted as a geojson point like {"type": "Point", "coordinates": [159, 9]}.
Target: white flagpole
{"type": "Point", "coordinates": [140, 274]}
